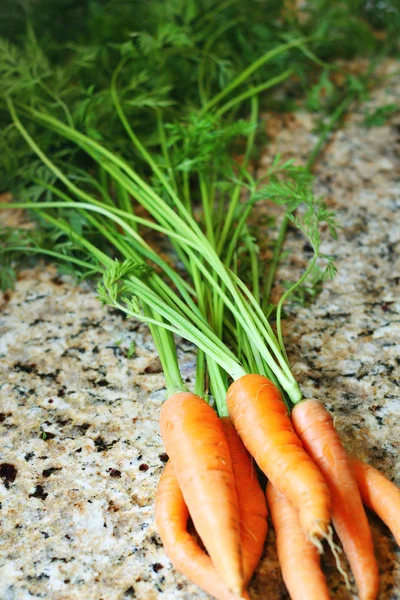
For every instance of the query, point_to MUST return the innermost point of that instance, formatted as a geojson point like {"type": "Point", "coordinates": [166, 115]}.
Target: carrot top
{"type": "Point", "coordinates": [216, 295]}
{"type": "Point", "coordinates": [219, 303]}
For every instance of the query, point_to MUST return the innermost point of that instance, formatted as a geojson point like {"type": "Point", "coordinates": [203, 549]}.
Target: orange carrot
{"type": "Point", "coordinates": [252, 504]}
{"type": "Point", "coordinates": [314, 425]}
{"type": "Point", "coordinates": [195, 442]}
{"type": "Point", "coordinates": [185, 554]}
{"type": "Point", "coordinates": [260, 416]}
{"type": "Point", "coordinates": [298, 557]}
{"type": "Point", "coordinates": [379, 494]}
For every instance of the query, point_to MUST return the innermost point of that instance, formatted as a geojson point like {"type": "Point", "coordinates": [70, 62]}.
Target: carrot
{"type": "Point", "coordinates": [185, 554]}
{"type": "Point", "coordinates": [252, 504]}
{"type": "Point", "coordinates": [314, 425]}
{"type": "Point", "coordinates": [195, 442]}
{"type": "Point", "coordinates": [260, 416]}
{"type": "Point", "coordinates": [379, 494]}
{"type": "Point", "coordinates": [298, 557]}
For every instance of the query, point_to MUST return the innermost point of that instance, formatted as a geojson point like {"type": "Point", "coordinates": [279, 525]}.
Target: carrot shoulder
{"type": "Point", "coordinates": [185, 554]}
{"type": "Point", "coordinates": [195, 442]}
{"type": "Point", "coordinates": [252, 504]}
{"type": "Point", "coordinates": [314, 425]}
{"type": "Point", "coordinates": [379, 494]}
{"type": "Point", "coordinates": [298, 557]}
{"type": "Point", "coordinates": [260, 416]}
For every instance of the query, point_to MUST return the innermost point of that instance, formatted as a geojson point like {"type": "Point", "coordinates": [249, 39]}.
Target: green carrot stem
{"type": "Point", "coordinates": [270, 278]}
{"type": "Point", "coordinates": [125, 203]}
{"type": "Point", "coordinates": [154, 203]}
{"type": "Point", "coordinates": [269, 281]}
{"type": "Point", "coordinates": [207, 210]}
{"type": "Point", "coordinates": [218, 387]}
{"type": "Point", "coordinates": [200, 373]}
{"type": "Point", "coordinates": [285, 296]}
{"type": "Point", "coordinates": [233, 203]}
{"type": "Point", "coordinates": [166, 350]}
{"type": "Point", "coordinates": [58, 255]}
{"type": "Point", "coordinates": [202, 66]}
{"type": "Point", "coordinates": [255, 90]}
{"type": "Point", "coordinates": [211, 14]}
{"type": "Point", "coordinates": [164, 148]}
{"type": "Point", "coordinates": [241, 78]}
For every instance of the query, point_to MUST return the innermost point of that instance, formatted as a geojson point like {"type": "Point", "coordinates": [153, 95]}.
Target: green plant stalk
{"type": "Point", "coordinates": [218, 386]}
{"type": "Point", "coordinates": [164, 148]}
{"type": "Point", "coordinates": [58, 100]}
{"type": "Point", "coordinates": [285, 296]}
{"type": "Point", "coordinates": [125, 203]}
{"type": "Point", "coordinates": [161, 288]}
{"type": "Point", "coordinates": [142, 150]}
{"type": "Point", "coordinates": [217, 301]}
{"type": "Point", "coordinates": [58, 255]}
{"type": "Point", "coordinates": [141, 247]}
{"type": "Point", "coordinates": [137, 143]}
{"type": "Point", "coordinates": [282, 371]}
{"type": "Point", "coordinates": [236, 194]}
{"type": "Point", "coordinates": [255, 275]}
{"type": "Point", "coordinates": [166, 349]}
{"type": "Point", "coordinates": [254, 91]}
{"type": "Point", "coordinates": [210, 15]}
{"type": "Point", "coordinates": [241, 78]}
{"type": "Point", "coordinates": [200, 359]}
{"type": "Point", "coordinates": [207, 341]}
{"type": "Point", "coordinates": [211, 40]}
{"type": "Point", "coordinates": [269, 281]}
{"type": "Point", "coordinates": [200, 373]}
{"type": "Point", "coordinates": [240, 309]}
{"type": "Point", "coordinates": [207, 210]}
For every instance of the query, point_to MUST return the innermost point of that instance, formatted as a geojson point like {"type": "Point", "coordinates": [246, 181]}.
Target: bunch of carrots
{"type": "Point", "coordinates": [312, 481]}
{"type": "Point", "coordinates": [261, 418]}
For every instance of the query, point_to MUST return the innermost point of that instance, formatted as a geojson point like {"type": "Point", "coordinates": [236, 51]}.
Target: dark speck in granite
{"type": "Point", "coordinates": [39, 493]}
{"type": "Point", "coordinates": [50, 471]}
{"type": "Point", "coordinates": [157, 567]}
{"type": "Point", "coordinates": [114, 472]}
{"type": "Point", "coordinates": [102, 446]}
{"type": "Point", "coordinates": [8, 473]}
{"type": "Point", "coordinates": [47, 435]}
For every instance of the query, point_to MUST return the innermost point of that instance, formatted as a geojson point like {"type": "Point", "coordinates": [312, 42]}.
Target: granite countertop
{"type": "Point", "coordinates": [81, 390]}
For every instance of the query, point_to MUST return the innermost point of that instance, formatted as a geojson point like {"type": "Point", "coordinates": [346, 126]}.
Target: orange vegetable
{"type": "Point", "coordinates": [252, 504]}
{"type": "Point", "coordinates": [185, 554]}
{"type": "Point", "coordinates": [314, 426]}
{"type": "Point", "coordinates": [195, 442]}
{"type": "Point", "coordinates": [298, 557]}
{"type": "Point", "coordinates": [260, 416]}
{"type": "Point", "coordinates": [379, 494]}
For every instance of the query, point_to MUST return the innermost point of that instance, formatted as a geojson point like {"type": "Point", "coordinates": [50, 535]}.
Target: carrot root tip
{"type": "Point", "coordinates": [317, 543]}
{"type": "Point", "coordinates": [336, 550]}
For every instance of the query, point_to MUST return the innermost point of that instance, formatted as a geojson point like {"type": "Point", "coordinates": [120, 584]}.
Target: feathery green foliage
{"type": "Point", "coordinates": [117, 124]}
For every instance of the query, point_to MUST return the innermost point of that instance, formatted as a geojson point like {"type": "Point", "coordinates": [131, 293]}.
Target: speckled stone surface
{"type": "Point", "coordinates": [80, 452]}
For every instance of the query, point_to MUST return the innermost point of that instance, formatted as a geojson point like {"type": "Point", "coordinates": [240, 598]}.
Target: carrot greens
{"type": "Point", "coordinates": [211, 296]}
{"type": "Point", "coordinates": [133, 149]}
{"type": "Point", "coordinates": [180, 164]}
